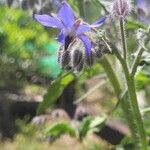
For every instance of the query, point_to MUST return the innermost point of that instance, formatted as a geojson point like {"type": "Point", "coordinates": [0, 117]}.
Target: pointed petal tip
{"type": "Point", "coordinates": [48, 21]}
{"type": "Point", "coordinates": [66, 14]}
{"type": "Point", "coordinates": [99, 22]}
{"type": "Point", "coordinates": [87, 44]}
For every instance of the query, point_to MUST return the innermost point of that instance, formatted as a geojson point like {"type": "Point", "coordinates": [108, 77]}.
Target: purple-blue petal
{"type": "Point", "coordinates": [87, 44]}
{"type": "Point", "coordinates": [82, 29]}
{"type": "Point", "coordinates": [99, 22]}
{"type": "Point", "coordinates": [140, 2]}
{"type": "Point", "coordinates": [57, 3]}
{"type": "Point", "coordinates": [66, 15]}
{"type": "Point", "coordinates": [49, 21]}
{"type": "Point", "coordinates": [61, 37]}
{"type": "Point", "coordinates": [145, 20]}
{"type": "Point", "coordinates": [143, 11]}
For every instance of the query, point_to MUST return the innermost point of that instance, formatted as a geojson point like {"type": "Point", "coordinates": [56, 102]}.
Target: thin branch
{"type": "Point", "coordinates": [100, 84]}
{"type": "Point", "coordinates": [137, 59]}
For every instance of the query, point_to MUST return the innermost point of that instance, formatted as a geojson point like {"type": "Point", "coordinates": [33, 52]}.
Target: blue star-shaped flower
{"type": "Point", "coordinates": [143, 8]}
{"type": "Point", "coordinates": [70, 27]}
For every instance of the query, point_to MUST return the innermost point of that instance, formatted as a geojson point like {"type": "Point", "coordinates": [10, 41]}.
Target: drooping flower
{"type": "Point", "coordinates": [143, 11]}
{"type": "Point", "coordinates": [75, 58]}
{"type": "Point", "coordinates": [69, 26]}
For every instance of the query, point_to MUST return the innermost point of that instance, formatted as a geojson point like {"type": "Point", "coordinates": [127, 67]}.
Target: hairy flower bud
{"type": "Point", "coordinates": [98, 53]}
{"type": "Point", "coordinates": [74, 57]}
{"type": "Point", "coordinates": [65, 59]}
{"type": "Point", "coordinates": [77, 57]}
{"type": "Point", "coordinates": [89, 60]}
{"type": "Point", "coordinates": [80, 66]}
{"type": "Point", "coordinates": [59, 53]}
{"type": "Point", "coordinates": [100, 49]}
{"type": "Point", "coordinates": [121, 8]}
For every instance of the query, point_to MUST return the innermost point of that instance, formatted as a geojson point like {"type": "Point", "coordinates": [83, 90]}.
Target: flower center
{"type": "Point", "coordinates": [77, 23]}
{"type": "Point", "coordinates": [72, 33]}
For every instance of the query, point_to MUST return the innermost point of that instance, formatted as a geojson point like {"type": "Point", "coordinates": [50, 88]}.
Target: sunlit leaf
{"type": "Point", "coordinates": [97, 121]}
{"type": "Point", "coordinates": [90, 125]}
{"type": "Point", "coordinates": [142, 80]}
{"type": "Point", "coordinates": [54, 92]}
{"type": "Point", "coordinates": [59, 128]}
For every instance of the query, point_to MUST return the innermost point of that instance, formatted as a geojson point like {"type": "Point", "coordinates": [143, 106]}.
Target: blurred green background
{"type": "Point", "coordinates": [28, 66]}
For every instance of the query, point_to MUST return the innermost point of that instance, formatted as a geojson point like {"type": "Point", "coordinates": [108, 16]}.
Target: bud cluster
{"type": "Point", "coordinates": [75, 57]}
{"type": "Point", "coordinates": [121, 8]}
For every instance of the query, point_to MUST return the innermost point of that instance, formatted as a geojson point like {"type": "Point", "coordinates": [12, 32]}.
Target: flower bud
{"type": "Point", "coordinates": [80, 66]}
{"type": "Point", "coordinates": [121, 8]}
{"type": "Point", "coordinates": [89, 59]}
{"type": "Point", "coordinates": [59, 53]}
{"type": "Point", "coordinates": [77, 57]}
{"type": "Point", "coordinates": [140, 33]}
{"type": "Point", "coordinates": [98, 53]}
{"type": "Point", "coordinates": [65, 59]}
{"type": "Point", "coordinates": [68, 68]}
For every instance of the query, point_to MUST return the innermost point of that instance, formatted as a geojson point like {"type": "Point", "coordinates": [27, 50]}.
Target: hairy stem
{"type": "Point", "coordinates": [135, 108]}
{"type": "Point", "coordinates": [123, 38]}
{"type": "Point", "coordinates": [125, 104]}
{"type": "Point", "coordinates": [137, 60]}
{"type": "Point", "coordinates": [132, 92]}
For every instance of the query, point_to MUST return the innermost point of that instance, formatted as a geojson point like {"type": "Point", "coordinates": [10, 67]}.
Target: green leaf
{"type": "Point", "coordinates": [132, 24]}
{"type": "Point", "coordinates": [54, 92]}
{"type": "Point", "coordinates": [97, 121]}
{"type": "Point", "coordinates": [84, 127]}
{"type": "Point", "coordinates": [59, 128]}
{"type": "Point", "coordinates": [90, 125]}
{"type": "Point", "coordinates": [141, 80]}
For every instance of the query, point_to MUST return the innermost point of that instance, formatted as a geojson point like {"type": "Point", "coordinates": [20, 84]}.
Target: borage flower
{"type": "Point", "coordinates": [70, 27]}
{"type": "Point", "coordinates": [143, 10]}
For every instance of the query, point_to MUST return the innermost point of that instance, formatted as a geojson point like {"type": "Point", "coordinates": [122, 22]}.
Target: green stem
{"type": "Point", "coordinates": [132, 91]}
{"type": "Point", "coordinates": [100, 84]}
{"type": "Point", "coordinates": [124, 100]}
{"type": "Point", "coordinates": [135, 108]}
{"type": "Point", "coordinates": [137, 60]}
{"type": "Point", "coordinates": [122, 29]}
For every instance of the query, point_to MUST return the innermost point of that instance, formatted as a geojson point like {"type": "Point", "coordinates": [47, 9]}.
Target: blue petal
{"type": "Point", "coordinates": [49, 21]}
{"type": "Point", "coordinates": [57, 3]}
{"type": "Point", "coordinates": [143, 9]}
{"type": "Point", "coordinates": [99, 22]}
{"type": "Point", "coordinates": [139, 2]}
{"type": "Point", "coordinates": [83, 28]}
{"type": "Point", "coordinates": [145, 20]}
{"type": "Point", "coordinates": [66, 15]}
{"type": "Point", "coordinates": [61, 37]}
{"type": "Point", "coordinates": [87, 44]}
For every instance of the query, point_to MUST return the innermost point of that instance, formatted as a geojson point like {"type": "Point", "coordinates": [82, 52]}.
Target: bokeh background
{"type": "Point", "coordinates": [28, 65]}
